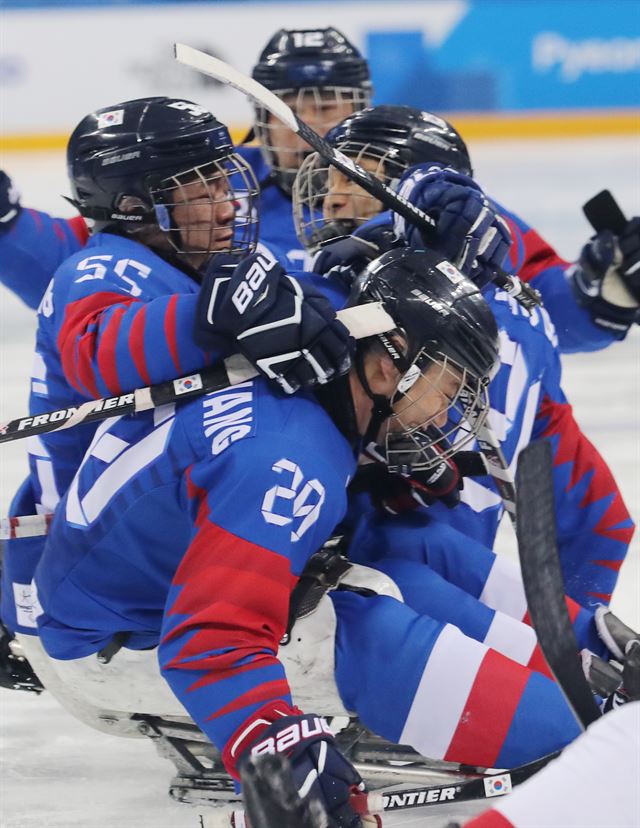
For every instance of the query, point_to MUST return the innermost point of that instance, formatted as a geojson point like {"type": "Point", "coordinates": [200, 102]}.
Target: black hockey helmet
{"type": "Point", "coordinates": [294, 58]}
{"type": "Point", "coordinates": [395, 138]}
{"type": "Point", "coordinates": [317, 65]}
{"type": "Point", "coordinates": [445, 328]}
{"type": "Point", "coordinates": [412, 136]}
{"type": "Point", "coordinates": [142, 153]}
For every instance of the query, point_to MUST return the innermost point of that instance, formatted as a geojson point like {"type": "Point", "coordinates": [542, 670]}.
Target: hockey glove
{"type": "Point", "coordinates": [287, 329]}
{"type": "Point", "coordinates": [319, 770]}
{"type": "Point", "coordinates": [344, 259]}
{"type": "Point", "coordinates": [9, 202]}
{"type": "Point", "coordinates": [469, 232]}
{"type": "Point", "coordinates": [624, 645]}
{"type": "Point", "coordinates": [407, 488]}
{"type": "Point", "coordinates": [606, 278]}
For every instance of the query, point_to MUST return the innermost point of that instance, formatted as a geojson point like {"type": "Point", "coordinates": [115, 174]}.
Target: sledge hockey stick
{"type": "Point", "coordinates": [264, 800]}
{"type": "Point", "coordinates": [361, 321]}
{"type": "Point", "coordinates": [498, 469]}
{"type": "Point", "coordinates": [543, 581]}
{"type": "Point", "coordinates": [218, 69]}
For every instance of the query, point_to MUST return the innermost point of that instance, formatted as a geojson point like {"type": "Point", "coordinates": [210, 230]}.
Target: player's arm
{"type": "Point", "coordinates": [258, 516]}
{"type": "Point", "coordinates": [582, 321]}
{"type": "Point", "coordinates": [260, 509]}
{"type": "Point", "coordinates": [112, 337]}
{"type": "Point", "coordinates": [594, 525]}
{"type": "Point", "coordinates": [33, 244]}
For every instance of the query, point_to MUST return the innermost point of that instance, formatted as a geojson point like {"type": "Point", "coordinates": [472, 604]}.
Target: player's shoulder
{"type": "Point", "coordinates": [252, 419]}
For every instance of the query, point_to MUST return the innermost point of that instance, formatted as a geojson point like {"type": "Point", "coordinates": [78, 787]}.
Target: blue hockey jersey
{"type": "Point", "coordinates": [188, 529]}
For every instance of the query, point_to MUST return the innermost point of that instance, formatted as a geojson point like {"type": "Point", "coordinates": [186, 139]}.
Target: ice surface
{"type": "Point", "coordinates": [57, 773]}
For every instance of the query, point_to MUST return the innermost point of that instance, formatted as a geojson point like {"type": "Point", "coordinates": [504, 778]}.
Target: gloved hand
{"type": "Point", "coordinates": [618, 682]}
{"type": "Point", "coordinates": [344, 258]}
{"type": "Point", "coordinates": [407, 487]}
{"type": "Point", "coordinates": [469, 232]}
{"type": "Point", "coordinates": [319, 770]}
{"type": "Point", "coordinates": [9, 202]}
{"type": "Point", "coordinates": [284, 327]}
{"type": "Point", "coordinates": [606, 278]}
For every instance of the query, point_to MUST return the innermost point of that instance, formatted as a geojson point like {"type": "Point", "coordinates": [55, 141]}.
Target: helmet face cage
{"type": "Point", "coordinates": [445, 388]}
{"type": "Point", "coordinates": [209, 209]}
{"type": "Point", "coordinates": [326, 205]}
{"type": "Point", "coordinates": [340, 101]}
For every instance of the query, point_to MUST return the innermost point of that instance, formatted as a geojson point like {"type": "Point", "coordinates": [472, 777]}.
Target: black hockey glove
{"type": "Point", "coordinates": [606, 278]}
{"type": "Point", "coordinates": [617, 682]}
{"type": "Point", "coordinates": [319, 770]}
{"type": "Point", "coordinates": [344, 258]}
{"type": "Point", "coordinates": [284, 327]}
{"type": "Point", "coordinates": [9, 202]}
{"type": "Point", "coordinates": [407, 488]}
{"type": "Point", "coordinates": [469, 231]}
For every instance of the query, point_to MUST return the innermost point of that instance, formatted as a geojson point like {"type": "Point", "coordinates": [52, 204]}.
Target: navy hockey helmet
{"type": "Point", "coordinates": [132, 165]}
{"type": "Point", "coordinates": [388, 140]}
{"type": "Point", "coordinates": [322, 76]}
{"type": "Point", "coordinates": [294, 58]}
{"type": "Point", "coordinates": [445, 346]}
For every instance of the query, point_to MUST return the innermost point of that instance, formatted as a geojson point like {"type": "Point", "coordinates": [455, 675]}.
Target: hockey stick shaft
{"type": "Point", "coordinates": [218, 69]}
{"type": "Point", "coordinates": [361, 321]}
{"type": "Point", "coordinates": [543, 581]}
{"type": "Point", "coordinates": [498, 468]}
{"type": "Point", "coordinates": [487, 786]}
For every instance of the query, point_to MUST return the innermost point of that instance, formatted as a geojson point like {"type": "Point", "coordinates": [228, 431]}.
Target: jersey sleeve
{"type": "Point", "coordinates": [594, 524]}
{"type": "Point", "coordinates": [536, 262]}
{"type": "Point", "coordinates": [113, 336]}
{"type": "Point", "coordinates": [257, 519]}
{"type": "Point", "coordinates": [33, 248]}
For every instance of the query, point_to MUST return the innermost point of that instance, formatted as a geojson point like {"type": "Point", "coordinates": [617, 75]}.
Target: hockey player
{"type": "Point", "coordinates": [323, 78]}
{"type": "Point", "coordinates": [591, 303]}
{"type": "Point", "coordinates": [318, 72]}
{"type": "Point", "coordinates": [167, 197]}
{"type": "Point", "coordinates": [187, 529]}
{"type": "Point", "coordinates": [526, 397]}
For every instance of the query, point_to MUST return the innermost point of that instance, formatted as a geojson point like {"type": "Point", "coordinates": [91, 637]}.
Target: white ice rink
{"type": "Point", "coordinates": [57, 773]}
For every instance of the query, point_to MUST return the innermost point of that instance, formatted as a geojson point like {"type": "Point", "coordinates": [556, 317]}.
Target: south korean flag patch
{"type": "Point", "coordinates": [185, 385]}
{"type": "Point", "coordinates": [112, 118]}
{"type": "Point", "coordinates": [452, 273]}
{"type": "Point", "coordinates": [497, 785]}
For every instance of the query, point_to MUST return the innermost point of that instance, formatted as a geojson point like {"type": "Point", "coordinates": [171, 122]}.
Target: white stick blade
{"type": "Point", "coordinates": [218, 69]}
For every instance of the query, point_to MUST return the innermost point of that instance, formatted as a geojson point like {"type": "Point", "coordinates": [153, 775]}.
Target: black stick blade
{"type": "Point", "coordinates": [543, 581]}
{"type": "Point", "coordinates": [603, 213]}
